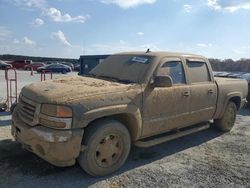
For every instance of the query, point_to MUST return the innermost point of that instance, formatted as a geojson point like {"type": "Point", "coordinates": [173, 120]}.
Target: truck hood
{"type": "Point", "coordinates": [70, 89]}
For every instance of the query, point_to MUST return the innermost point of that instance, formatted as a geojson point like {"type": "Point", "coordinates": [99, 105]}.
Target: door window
{"type": "Point", "coordinates": [198, 71]}
{"type": "Point", "coordinates": [174, 69]}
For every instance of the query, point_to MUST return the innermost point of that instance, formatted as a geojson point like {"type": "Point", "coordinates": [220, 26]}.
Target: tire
{"type": "Point", "coordinates": [108, 145]}
{"type": "Point", "coordinates": [64, 71]}
{"type": "Point", "coordinates": [226, 123]}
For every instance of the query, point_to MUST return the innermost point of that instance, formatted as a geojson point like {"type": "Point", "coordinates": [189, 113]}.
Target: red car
{"type": "Point", "coordinates": [20, 64]}
{"type": "Point", "coordinates": [34, 66]}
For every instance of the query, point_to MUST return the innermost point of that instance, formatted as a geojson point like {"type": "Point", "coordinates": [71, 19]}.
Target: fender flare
{"type": "Point", "coordinates": [227, 99]}
{"type": "Point", "coordinates": [115, 110]}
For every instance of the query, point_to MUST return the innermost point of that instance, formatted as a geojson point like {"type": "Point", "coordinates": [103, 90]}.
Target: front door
{"type": "Point", "coordinates": [166, 108]}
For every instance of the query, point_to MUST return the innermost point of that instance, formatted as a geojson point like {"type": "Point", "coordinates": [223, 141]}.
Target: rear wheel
{"type": "Point", "coordinates": [108, 145]}
{"type": "Point", "coordinates": [227, 121]}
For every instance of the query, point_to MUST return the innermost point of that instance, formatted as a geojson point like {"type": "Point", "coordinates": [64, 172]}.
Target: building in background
{"type": "Point", "coordinates": [88, 62]}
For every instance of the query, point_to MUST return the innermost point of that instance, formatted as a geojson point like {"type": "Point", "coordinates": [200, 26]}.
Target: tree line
{"type": "Point", "coordinates": [242, 65]}
{"type": "Point", "coordinates": [8, 57]}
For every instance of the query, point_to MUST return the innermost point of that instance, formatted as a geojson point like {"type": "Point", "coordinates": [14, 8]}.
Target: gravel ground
{"type": "Point", "coordinates": [204, 159]}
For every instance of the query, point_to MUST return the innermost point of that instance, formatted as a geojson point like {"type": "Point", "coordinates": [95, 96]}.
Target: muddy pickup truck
{"type": "Point", "coordinates": [137, 98]}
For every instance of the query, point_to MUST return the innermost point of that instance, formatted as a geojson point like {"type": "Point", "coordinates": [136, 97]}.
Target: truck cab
{"type": "Point", "coordinates": [191, 98]}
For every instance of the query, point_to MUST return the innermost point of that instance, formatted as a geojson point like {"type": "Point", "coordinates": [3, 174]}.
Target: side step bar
{"type": "Point", "coordinates": [162, 139]}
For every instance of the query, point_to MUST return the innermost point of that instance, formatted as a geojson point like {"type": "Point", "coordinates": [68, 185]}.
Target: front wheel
{"type": "Point", "coordinates": [108, 145]}
{"type": "Point", "coordinates": [227, 121]}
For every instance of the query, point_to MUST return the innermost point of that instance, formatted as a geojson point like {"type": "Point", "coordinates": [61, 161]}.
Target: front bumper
{"type": "Point", "coordinates": [58, 147]}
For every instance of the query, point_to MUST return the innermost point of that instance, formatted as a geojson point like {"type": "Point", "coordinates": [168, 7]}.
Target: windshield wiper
{"type": "Point", "coordinates": [109, 78]}
{"type": "Point", "coordinates": [102, 77]}
{"type": "Point", "coordinates": [90, 75]}
{"type": "Point", "coordinates": [125, 81]}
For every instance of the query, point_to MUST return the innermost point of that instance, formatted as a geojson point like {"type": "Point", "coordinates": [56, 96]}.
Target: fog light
{"type": "Point", "coordinates": [52, 124]}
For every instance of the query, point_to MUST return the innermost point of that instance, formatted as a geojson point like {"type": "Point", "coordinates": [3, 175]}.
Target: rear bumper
{"type": "Point", "coordinates": [58, 147]}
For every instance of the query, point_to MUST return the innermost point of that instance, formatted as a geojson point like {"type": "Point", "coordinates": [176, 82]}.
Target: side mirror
{"type": "Point", "coordinates": [163, 81]}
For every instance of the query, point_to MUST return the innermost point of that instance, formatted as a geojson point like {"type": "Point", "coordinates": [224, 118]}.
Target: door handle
{"type": "Point", "coordinates": [186, 94]}
{"type": "Point", "coordinates": [210, 91]}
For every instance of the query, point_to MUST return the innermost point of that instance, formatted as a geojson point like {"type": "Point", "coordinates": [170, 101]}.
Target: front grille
{"type": "Point", "coordinates": [26, 110]}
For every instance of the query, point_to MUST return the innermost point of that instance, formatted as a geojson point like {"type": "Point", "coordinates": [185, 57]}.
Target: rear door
{"type": "Point", "coordinates": [61, 68]}
{"type": "Point", "coordinates": [51, 68]}
{"type": "Point", "coordinates": [58, 68]}
{"type": "Point", "coordinates": [203, 90]}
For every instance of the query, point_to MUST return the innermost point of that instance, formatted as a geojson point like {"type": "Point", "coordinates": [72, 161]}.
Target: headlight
{"type": "Point", "coordinates": [56, 110]}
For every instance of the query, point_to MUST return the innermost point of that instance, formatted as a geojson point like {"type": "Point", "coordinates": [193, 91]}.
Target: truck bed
{"type": "Point", "coordinates": [226, 88]}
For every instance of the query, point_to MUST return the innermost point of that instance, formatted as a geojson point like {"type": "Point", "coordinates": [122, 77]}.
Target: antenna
{"type": "Point", "coordinates": [148, 50]}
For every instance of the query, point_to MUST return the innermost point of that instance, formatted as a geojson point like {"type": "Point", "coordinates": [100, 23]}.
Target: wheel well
{"type": "Point", "coordinates": [126, 119]}
{"type": "Point", "coordinates": [236, 101]}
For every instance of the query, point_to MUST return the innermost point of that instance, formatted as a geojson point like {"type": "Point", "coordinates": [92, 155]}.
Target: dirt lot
{"type": "Point", "coordinates": [204, 159]}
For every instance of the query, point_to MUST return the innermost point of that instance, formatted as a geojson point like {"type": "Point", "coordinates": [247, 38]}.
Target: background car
{"type": "Point", "coordinates": [59, 68]}
{"type": "Point", "coordinates": [4, 65]}
{"type": "Point", "coordinates": [77, 67]}
{"type": "Point", "coordinates": [34, 66]}
{"type": "Point", "coordinates": [247, 77]}
{"type": "Point", "coordinates": [20, 64]}
{"type": "Point", "coordinates": [68, 64]}
{"type": "Point", "coordinates": [242, 75]}
{"type": "Point", "coordinates": [221, 74]}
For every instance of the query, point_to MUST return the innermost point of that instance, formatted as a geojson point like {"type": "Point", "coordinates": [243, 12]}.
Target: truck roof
{"type": "Point", "coordinates": [160, 54]}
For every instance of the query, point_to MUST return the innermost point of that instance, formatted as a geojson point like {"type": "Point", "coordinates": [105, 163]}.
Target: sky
{"type": "Point", "coordinates": [70, 28]}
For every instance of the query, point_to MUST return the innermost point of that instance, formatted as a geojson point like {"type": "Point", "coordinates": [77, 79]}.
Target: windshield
{"type": "Point", "coordinates": [124, 68]}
